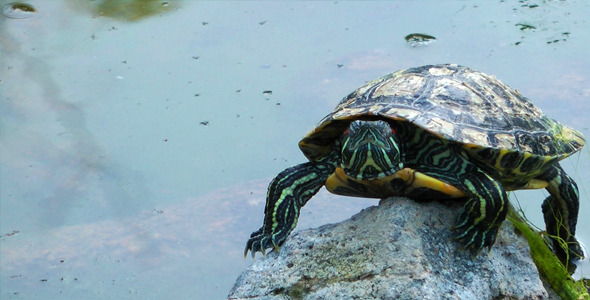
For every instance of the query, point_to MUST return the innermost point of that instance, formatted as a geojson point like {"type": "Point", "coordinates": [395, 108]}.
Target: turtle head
{"type": "Point", "coordinates": [370, 150]}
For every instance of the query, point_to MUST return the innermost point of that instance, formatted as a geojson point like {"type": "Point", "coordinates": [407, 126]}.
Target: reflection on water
{"type": "Point", "coordinates": [137, 137]}
{"type": "Point", "coordinates": [64, 170]}
{"type": "Point", "coordinates": [124, 10]}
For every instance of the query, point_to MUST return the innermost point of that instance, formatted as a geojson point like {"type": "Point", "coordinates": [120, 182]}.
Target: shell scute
{"type": "Point", "coordinates": [455, 103]}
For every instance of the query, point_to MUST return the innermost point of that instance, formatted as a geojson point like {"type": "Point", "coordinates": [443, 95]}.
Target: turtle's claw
{"type": "Point", "coordinates": [475, 237]}
{"type": "Point", "coordinates": [276, 248]}
{"type": "Point", "coordinates": [259, 242]}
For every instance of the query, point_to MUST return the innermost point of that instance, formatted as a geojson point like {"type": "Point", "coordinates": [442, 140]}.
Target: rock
{"type": "Point", "coordinates": [400, 249]}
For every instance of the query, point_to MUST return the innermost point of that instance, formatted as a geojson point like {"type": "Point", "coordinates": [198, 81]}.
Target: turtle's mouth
{"type": "Point", "coordinates": [369, 171]}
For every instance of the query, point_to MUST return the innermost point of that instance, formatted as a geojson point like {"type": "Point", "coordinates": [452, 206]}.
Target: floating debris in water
{"type": "Point", "coordinates": [11, 233]}
{"type": "Point", "coordinates": [263, 22]}
{"type": "Point", "coordinates": [419, 39]}
{"type": "Point", "coordinates": [18, 10]}
{"type": "Point", "coordinates": [524, 26]}
{"type": "Point", "coordinates": [563, 34]}
{"type": "Point", "coordinates": [556, 41]}
{"type": "Point", "coordinates": [267, 92]}
{"type": "Point", "coordinates": [204, 123]}
{"type": "Point", "coordinates": [128, 10]}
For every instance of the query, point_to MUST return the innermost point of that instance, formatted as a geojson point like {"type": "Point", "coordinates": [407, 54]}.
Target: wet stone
{"type": "Point", "coordinates": [399, 249]}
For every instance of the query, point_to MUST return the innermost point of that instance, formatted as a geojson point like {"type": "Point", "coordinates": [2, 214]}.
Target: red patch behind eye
{"type": "Point", "coordinates": [346, 131]}
{"type": "Point", "coordinates": [393, 131]}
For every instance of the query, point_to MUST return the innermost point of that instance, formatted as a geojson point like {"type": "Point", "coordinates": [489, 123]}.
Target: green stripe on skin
{"type": "Point", "coordinates": [287, 193]}
{"type": "Point", "coordinates": [482, 216]}
{"type": "Point", "coordinates": [370, 150]}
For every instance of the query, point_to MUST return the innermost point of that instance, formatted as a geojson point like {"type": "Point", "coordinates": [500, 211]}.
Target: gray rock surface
{"type": "Point", "coordinates": [400, 249]}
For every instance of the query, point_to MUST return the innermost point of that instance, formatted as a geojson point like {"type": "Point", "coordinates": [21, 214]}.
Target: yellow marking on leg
{"type": "Point", "coordinates": [482, 204]}
{"type": "Point", "coordinates": [482, 211]}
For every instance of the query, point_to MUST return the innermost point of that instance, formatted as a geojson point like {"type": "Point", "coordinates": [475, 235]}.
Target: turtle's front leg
{"type": "Point", "coordinates": [287, 193]}
{"type": "Point", "coordinates": [483, 213]}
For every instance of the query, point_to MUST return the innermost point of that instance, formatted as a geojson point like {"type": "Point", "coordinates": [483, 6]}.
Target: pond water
{"type": "Point", "coordinates": [138, 137]}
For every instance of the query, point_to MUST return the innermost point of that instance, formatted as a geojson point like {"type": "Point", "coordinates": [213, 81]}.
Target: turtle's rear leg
{"type": "Point", "coordinates": [560, 211]}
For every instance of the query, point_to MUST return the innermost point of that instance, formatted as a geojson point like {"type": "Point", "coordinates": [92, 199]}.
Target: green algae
{"type": "Point", "coordinates": [547, 262]}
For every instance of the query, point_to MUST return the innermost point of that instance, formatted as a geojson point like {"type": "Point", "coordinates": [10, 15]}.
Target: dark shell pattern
{"type": "Point", "coordinates": [454, 103]}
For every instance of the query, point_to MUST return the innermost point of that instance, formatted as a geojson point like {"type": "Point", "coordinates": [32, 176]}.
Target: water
{"type": "Point", "coordinates": [137, 141]}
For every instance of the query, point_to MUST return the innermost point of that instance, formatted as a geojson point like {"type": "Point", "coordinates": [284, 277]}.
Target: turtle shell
{"type": "Point", "coordinates": [452, 102]}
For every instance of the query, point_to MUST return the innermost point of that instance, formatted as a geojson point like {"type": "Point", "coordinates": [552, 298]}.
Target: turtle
{"type": "Point", "coordinates": [434, 132]}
